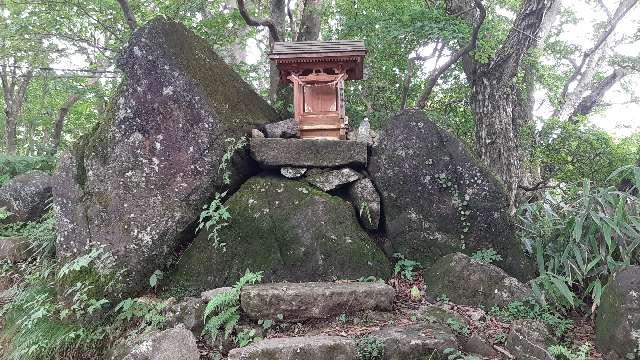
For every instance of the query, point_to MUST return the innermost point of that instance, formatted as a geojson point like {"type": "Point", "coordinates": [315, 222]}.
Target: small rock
{"type": "Point", "coordinates": [255, 133]}
{"type": "Point", "coordinates": [26, 195]}
{"type": "Point", "coordinates": [332, 179]}
{"type": "Point", "coordinates": [292, 172]}
{"type": "Point", "coordinates": [301, 301]}
{"type": "Point", "coordinates": [210, 294]}
{"type": "Point", "coordinates": [282, 129]}
{"type": "Point", "coordinates": [476, 344]}
{"type": "Point", "coordinates": [527, 340]}
{"type": "Point", "coordinates": [177, 343]}
{"type": "Point", "coordinates": [298, 348]}
{"type": "Point", "coordinates": [405, 342]}
{"type": "Point", "coordinates": [367, 203]}
{"type": "Point", "coordinates": [618, 317]}
{"type": "Point", "coordinates": [14, 249]}
{"type": "Point", "coordinates": [275, 153]}
{"type": "Point", "coordinates": [188, 312]}
{"type": "Point", "coordinates": [469, 282]}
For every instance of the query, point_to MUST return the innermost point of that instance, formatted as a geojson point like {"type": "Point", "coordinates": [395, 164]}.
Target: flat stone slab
{"type": "Point", "coordinates": [314, 300]}
{"type": "Point", "coordinates": [273, 153]}
{"type": "Point", "coordinates": [415, 341]}
{"type": "Point", "coordinates": [298, 348]}
{"type": "Point", "coordinates": [332, 179]}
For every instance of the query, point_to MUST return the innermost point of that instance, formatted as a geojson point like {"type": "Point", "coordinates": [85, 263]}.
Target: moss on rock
{"type": "Point", "coordinates": [287, 229]}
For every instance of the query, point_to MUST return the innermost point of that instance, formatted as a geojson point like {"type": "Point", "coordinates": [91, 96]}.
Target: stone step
{"type": "Point", "coordinates": [274, 152]}
{"type": "Point", "coordinates": [315, 300]}
{"type": "Point", "coordinates": [298, 348]}
{"type": "Point", "coordinates": [417, 341]}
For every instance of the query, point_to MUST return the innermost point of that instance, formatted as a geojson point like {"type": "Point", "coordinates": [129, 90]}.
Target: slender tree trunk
{"type": "Point", "coordinates": [14, 91]}
{"type": "Point", "coordinates": [58, 125]}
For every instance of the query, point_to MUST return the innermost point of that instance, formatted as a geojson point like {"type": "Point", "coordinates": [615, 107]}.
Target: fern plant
{"type": "Point", "coordinates": [222, 312]}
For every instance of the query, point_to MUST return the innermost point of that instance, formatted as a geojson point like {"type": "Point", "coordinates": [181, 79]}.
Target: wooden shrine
{"type": "Point", "coordinates": [317, 71]}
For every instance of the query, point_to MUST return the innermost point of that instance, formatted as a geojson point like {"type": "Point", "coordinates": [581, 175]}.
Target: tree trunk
{"type": "Point", "coordinates": [58, 126]}
{"type": "Point", "coordinates": [10, 131]}
{"type": "Point", "coordinates": [278, 16]}
{"type": "Point", "coordinates": [497, 109]}
{"type": "Point", "coordinates": [311, 21]}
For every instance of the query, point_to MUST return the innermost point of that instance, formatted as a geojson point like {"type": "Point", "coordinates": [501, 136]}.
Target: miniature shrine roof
{"type": "Point", "coordinates": [318, 49]}
{"type": "Point", "coordinates": [345, 54]}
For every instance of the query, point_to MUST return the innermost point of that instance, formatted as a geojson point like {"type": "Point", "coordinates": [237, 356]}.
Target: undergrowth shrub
{"type": "Point", "coordinates": [533, 310]}
{"type": "Point", "coordinates": [580, 237]}
{"type": "Point", "coordinates": [53, 310]}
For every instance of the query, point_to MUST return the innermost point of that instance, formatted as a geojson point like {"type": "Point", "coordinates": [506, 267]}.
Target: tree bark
{"type": "Point", "coordinates": [60, 119]}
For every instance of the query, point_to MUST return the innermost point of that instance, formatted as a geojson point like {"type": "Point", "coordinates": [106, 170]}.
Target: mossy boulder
{"type": "Point", "coordinates": [437, 199]}
{"type": "Point", "coordinates": [139, 179]}
{"type": "Point", "coordinates": [466, 281]}
{"type": "Point", "coordinates": [618, 317]}
{"type": "Point", "coordinates": [26, 196]}
{"type": "Point", "coordinates": [289, 230]}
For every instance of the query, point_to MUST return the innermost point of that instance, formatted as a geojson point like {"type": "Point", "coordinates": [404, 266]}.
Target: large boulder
{"type": "Point", "coordinates": [618, 317]}
{"type": "Point", "coordinates": [288, 229]}
{"type": "Point", "coordinates": [26, 195]}
{"type": "Point", "coordinates": [437, 199]}
{"type": "Point", "coordinates": [139, 180]}
{"type": "Point", "coordinates": [469, 282]}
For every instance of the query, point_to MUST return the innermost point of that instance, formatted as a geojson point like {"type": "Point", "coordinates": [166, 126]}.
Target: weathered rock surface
{"type": "Point", "coordinates": [469, 282]}
{"type": "Point", "coordinates": [289, 230]}
{"type": "Point", "coordinates": [14, 249]}
{"type": "Point", "coordinates": [437, 199]}
{"type": "Point", "coordinates": [367, 203]}
{"type": "Point", "coordinates": [177, 343]}
{"type": "Point", "coordinates": [302, 301]}
{"type": "Point", "coordinates": [282, 129]}
{"type": "Point", "coordinates": [618, 317]}
{"type": "Point", "coordinates": [298, 348]}
{"type": "Point", "coordinates": [478, 345]}
{"type": "Point", "coordinates": [527, 340]}
{"type": "Point", "coordinates": [26, 195]}
{"type": "Point", "coordinates": [139, 180]}
{"type": "Point", "coordinates": [327, 180]}
{"type": "Point", "coordinates": [292, 172]}
{"type": "Point", "coordinates": [271, 153]}
{"type": "Point", "coordinates": [415, 341]}
{"type": "Point", "coordinates": [188, 312]}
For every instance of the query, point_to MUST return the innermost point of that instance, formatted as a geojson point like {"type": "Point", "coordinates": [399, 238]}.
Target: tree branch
{"type": "Point", "coordinates": [622, 10]}
{"type": "Point", "coordinates": [590, 101]}
{"type": "Point", "coordinates": [435, 75]}
{"type": "Point", "coordinates": [273, 31]}
{"type": "Point", "coordinates": [128, 15]}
